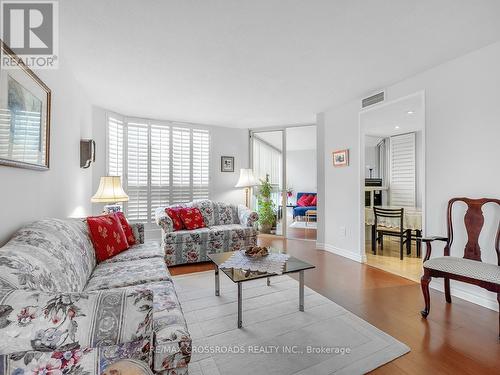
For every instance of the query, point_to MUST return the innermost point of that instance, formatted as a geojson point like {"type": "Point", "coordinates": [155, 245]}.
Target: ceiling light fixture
{"type": "Point", "coordinates": [396, 127]}
{"type": "Point", "coordinates": [410, 112]}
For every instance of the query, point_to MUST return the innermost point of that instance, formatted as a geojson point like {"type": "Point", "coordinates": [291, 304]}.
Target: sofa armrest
{"type": "Point", "coordinates": [42, 321]}
{"type": "Point", "coordinates": [247, 217]}
{"type": "Point", "coordinates": [138, 230]}
{"type": "Point", "coordinates": [163, 220]}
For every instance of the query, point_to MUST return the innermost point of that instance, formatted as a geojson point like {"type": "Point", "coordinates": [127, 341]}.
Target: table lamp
{"type": "Point", "coordinates": [110, 191]}
{"type": "Point", "coordinates": [246, 180]}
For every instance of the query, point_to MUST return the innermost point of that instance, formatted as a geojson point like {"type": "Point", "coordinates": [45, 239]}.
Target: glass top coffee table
{"type": "Point", "coordinates": [239, 276]}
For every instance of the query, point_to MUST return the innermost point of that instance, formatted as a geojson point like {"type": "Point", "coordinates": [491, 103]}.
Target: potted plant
{"type": "Point", "coordinates": [267, 218]}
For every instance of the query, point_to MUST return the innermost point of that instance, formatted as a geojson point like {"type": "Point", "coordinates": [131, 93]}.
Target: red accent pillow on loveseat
{"type": "Point", "coordinates": [192, 218]}
{"type": "Point", "coordinates": [303, 200]}
{"type": "Point", "coordinates": [314, 202]}
{"type": "Point", "coordinates": [176, 219]}
{"type": "Point", "coordinates": [129, 233]}
{"type": "Point", "coordinates": [107, 236]}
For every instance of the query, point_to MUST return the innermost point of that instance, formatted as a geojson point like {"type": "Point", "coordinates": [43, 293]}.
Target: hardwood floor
{"type": "Point", "coordinates": [457, 338]}
{"type": "Point", "coordinates": [301, 233]}
{"type": "Point", "coordinates": [388, 259]}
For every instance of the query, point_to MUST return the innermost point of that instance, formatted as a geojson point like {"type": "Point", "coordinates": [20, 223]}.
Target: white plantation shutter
{"type": "Point", "coordinates": [5, 149]}
{"type": "Point", "coordinates": [137, 172]}
{"type": "Point", "coordinates": [201, 163]}
{"type": "Point", "coordinates": [402, 188]}
{"type": "Point", "coordinates": [160, 167]}
{"type": "Point", "coordinates": [115, 146]}
{"type": "Point", "coordinates": [181, 165]}
{"type": "Point", "coordinates": [165, 163]}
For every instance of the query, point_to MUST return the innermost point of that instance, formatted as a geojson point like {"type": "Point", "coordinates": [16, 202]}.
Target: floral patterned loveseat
{"type": "Point", "coordinates": [228, 228]}
{"type": "Point", "coordinates": [63, 313]}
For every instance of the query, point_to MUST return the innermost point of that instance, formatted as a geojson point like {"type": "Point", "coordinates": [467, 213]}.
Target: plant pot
{"type": "Point", "coordinates": [266, 228]}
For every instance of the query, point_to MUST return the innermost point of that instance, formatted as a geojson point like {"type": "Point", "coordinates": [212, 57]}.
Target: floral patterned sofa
{"type": "Point", "coordinates": [62, 313]}
{"type": "Point", "coordinates": [228, 228]}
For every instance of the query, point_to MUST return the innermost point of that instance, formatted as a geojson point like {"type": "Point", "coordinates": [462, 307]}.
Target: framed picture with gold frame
{"type": "Point", "coordinates": [24, 115]}
{"type": "Point", "coordinates": [341, 158]}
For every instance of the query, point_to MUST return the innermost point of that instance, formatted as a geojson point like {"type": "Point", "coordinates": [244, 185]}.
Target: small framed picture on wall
{"type": "Point", "coordinates": [227, 163]}
{"type": "Point", "coordinates": [341, 158]}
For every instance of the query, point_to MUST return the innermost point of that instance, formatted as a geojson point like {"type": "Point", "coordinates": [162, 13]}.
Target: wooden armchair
{"type": "Point", "coordinates": [469, 269]}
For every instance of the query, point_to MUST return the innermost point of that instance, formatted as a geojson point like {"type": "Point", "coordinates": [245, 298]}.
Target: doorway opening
{"type": "Point", "coordinates": [287, 158]}
{"type": "Point", "coordinates": [393, 181]}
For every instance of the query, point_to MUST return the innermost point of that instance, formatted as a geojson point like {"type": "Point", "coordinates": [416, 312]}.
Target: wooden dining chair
{"type": "Point", "coordinates": [469, 269]}
{"type": "Point", "coordinates": [379, 230]}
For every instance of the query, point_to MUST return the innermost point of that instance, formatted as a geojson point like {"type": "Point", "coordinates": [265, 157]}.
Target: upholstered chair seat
{"type": "Point", "coordinates": [465, 267]}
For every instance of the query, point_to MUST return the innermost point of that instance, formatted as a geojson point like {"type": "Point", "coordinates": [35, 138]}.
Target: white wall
{"type": "Point", "coordinates": [371, 156]}
{"type": "Point", "coordinates": [301, 171]}
{"type": "Point", "coordinates": [462, 155]}
{"type": "Point", "coordinates": [225, 142]}
{"type": "Point", "coordinates": [65, 189]}
{"type": "Point", "coordinates": [228, 142]}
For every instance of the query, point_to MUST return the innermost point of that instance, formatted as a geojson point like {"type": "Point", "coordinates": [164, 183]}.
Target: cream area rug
{"type": "Point", "coordinates": [304, 225]}
{"type": "Point", "coordinates": [276, 337]}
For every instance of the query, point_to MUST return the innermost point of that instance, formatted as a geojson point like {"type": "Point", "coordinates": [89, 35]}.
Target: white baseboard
{"type": "Point", "coordinates": [467, 295]}
{"type": "Point", "coordinates": [342, 252]}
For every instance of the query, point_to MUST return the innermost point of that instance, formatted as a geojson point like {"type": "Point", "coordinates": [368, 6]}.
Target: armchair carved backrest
{"type": "Point", "coordinates": [474, 222]}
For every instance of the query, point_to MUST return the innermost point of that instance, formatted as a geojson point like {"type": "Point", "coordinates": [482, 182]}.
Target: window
{"type": "Point", "coordinates": [266, 161]}
{"type": "Point", "coordinates": [165, 163]}
{"type": "Point", "coordinates": [402, 188]}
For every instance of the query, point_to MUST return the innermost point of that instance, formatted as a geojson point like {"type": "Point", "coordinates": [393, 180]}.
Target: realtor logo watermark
{"type": "Point", "coordinates": [31, 30]}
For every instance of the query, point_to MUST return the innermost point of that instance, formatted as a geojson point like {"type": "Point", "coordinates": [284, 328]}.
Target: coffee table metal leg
{"type": "Point", "coordinates": [268, 281]}
{"type": "Point", "coordinates": [240, 323]}
{"type": "Point", "coordinates": [217, 285]}
{"type": "Point", "coordinates": [301, 291]}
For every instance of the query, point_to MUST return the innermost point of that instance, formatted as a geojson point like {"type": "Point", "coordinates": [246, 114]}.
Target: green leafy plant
{"type": "Point", "coordinates": [266, 209]}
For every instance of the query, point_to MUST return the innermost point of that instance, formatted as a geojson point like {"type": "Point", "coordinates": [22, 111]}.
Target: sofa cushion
{"type": "Point", "coordinates": [121, 274]}
{"type": "Point", "coordinates": [193, 246]}
{"type": "Point", "coordinates": [47, 321]}
{"type": "Point", "coordinates": [214, 233]}
{"type": "Point", "coordinates": [79, 361]}
{"type": "Point", "coordinates": [465, 267]}
{"type": "Point", "coordinates": [172, 342]}
{"type": "Point", "coordinates": [48, 255]}
{"type": "Point", "coordinates": [150, 249]}
{"type": "Point", "coordinates": [206, 208]}
{"type": "Point", "coordinates": [225, 214]}
{"type": "Point", "coordinates": [185, 236]}
{"type": "Point", "coordinates": [301, 211]}
{"type": "Point", "coordinates": [191, 218]}
{"type": "Point", "coordinates": [231, 232]}
{"type": "Point", "coordinates": [107, 236]}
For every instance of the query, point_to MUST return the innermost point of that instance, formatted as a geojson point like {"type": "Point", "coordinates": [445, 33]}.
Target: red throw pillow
{"type": "Point", "coordinates": [107, 236]}
{"type": "Point", "coordinates": [176, 219]}
{"type": "Point", "coordinates": [302, 202]}
{"type": "Point", "coordinates": [309, 200]}
{"type": "Point", "coordinates": [192, 218]}
{"type": "Point", "coordinates": [129, 233]}
{"type": "Point", "coordinates": [314, 202]}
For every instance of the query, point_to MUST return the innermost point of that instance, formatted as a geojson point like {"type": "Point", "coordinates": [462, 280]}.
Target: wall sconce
{"type": "Point", "coordinates": [87, 152]}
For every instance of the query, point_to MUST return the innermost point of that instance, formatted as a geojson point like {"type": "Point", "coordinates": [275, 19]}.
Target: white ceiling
{"type": "Point", "coordinates": [256, 63]}
{"type": "Point", "coordinates": [297, 138]}
{"type": "Point", "coordinates": [394, 118]}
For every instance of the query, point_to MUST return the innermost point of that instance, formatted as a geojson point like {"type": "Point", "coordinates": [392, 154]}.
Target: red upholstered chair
{"type": "Point", "coordinates": [469, 269]}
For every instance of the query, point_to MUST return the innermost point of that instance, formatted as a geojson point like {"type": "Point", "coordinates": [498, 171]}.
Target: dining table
{"type": "Point", "coordinates": [412, 218]}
